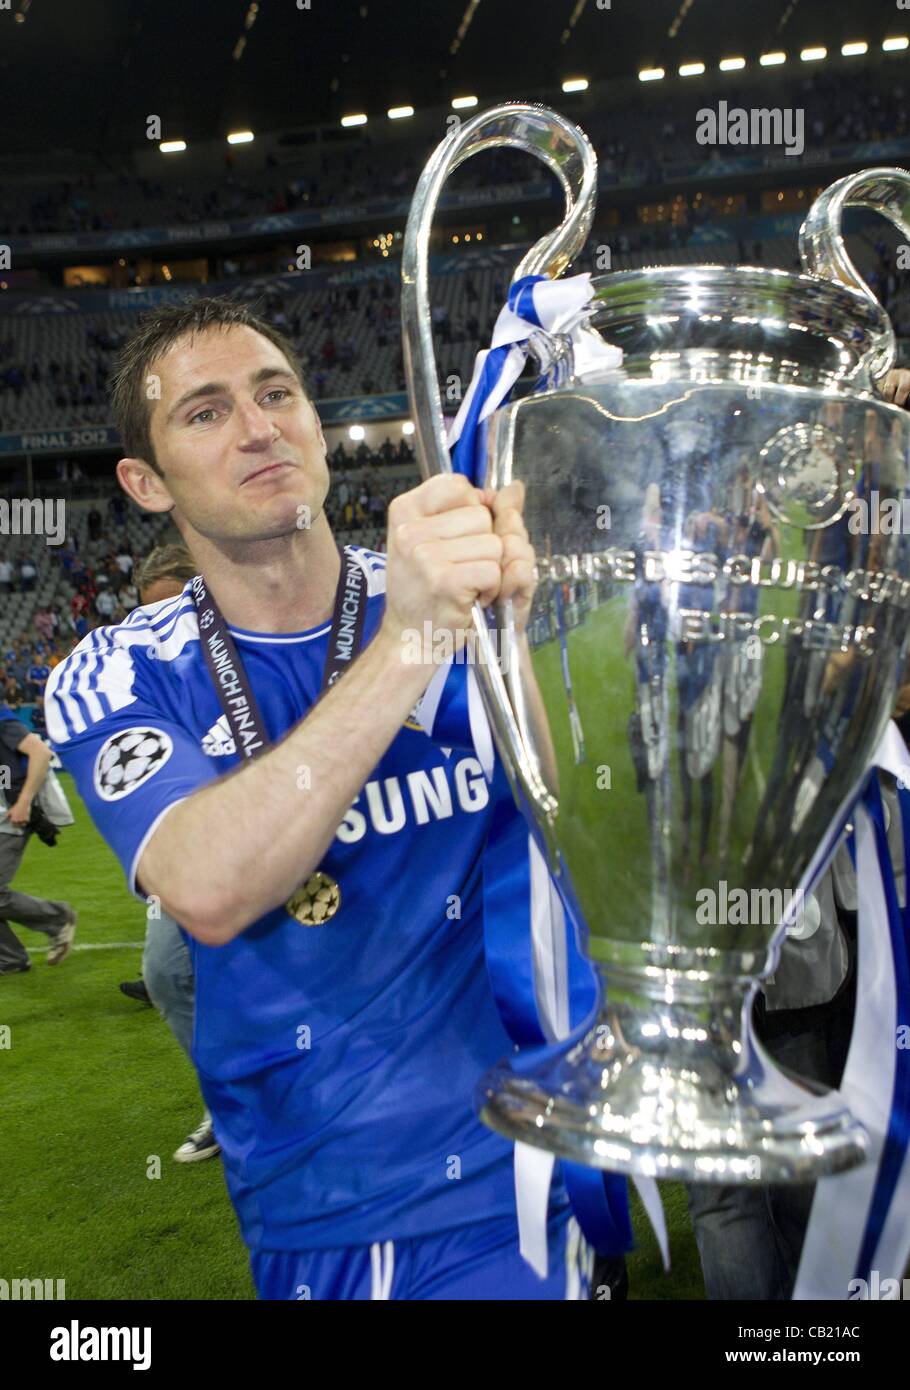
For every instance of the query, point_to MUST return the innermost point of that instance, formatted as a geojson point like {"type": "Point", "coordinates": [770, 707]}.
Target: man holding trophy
{"type": "Point", "coordinates": [589, 964]}
{"type": "Point", "coordinates": [329, 883]}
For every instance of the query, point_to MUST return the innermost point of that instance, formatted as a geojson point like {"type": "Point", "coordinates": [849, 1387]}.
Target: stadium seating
{"type": "Point", "coordinates": [640, 144]}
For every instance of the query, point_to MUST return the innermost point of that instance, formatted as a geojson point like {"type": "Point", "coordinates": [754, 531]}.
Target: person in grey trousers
{"type": "Point", "coordinates": [167, 971]}
{"type": "Point", "coordinates": [24, 761]}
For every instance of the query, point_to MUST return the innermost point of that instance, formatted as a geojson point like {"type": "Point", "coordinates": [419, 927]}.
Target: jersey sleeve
{"type": "Point", "coordinates": [113, 730]}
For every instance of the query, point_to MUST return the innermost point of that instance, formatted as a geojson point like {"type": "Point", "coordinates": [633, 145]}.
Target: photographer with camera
{"type": "Point", "coordinates": [24, 762]}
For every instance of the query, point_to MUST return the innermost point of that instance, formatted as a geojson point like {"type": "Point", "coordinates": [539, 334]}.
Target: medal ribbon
{"type": "Point", "coordinates": [232, 686]}
{"type": "Point", "coordinates": [224, 665]}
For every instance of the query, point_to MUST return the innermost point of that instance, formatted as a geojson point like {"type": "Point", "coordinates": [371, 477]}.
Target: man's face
{"type": "Point", "coordinates": [238, 442]}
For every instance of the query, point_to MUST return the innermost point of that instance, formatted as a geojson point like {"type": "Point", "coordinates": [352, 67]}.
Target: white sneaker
{"type": "Point", "coordinates": [62, 942]}
{"type": "Point", "coordinates": [200, 1144]}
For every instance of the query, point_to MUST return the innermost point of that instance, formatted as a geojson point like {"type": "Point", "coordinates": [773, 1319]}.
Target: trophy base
{"type": "Point", "coordinates": [662, 1086]}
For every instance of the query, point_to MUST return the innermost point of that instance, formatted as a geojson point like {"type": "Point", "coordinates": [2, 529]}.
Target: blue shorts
{"type": "Point", "coordinates": [480, 1261]}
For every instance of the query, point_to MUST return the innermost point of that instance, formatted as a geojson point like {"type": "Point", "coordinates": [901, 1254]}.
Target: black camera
{"type": "Point", "coordinates": [43, 826]}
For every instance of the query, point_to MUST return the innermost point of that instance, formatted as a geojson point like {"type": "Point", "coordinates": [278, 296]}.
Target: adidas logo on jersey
{"type": "Point", "coordinates": [219, 741]}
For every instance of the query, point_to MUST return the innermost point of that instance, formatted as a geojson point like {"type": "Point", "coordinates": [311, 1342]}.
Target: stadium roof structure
{"type": "Point", "coordinates": [85, 77]}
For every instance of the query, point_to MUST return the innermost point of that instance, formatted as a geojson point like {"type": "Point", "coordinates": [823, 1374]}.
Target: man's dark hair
{"type": "Point", "coordinates": [157, 331]}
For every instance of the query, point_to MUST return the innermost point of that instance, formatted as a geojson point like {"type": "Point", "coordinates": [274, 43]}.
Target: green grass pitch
{"type": "Point", "coordinates": [93, 1088]}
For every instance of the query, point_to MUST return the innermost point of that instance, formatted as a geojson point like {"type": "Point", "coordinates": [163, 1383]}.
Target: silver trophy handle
{"type": "Point", "coordinates": [821, 244]}
{"type": "Point", "coordinates": [567, 152]}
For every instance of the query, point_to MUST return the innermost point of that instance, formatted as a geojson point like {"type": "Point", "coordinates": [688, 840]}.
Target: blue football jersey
{"type": "Point", "coordinates": [340, 1059]}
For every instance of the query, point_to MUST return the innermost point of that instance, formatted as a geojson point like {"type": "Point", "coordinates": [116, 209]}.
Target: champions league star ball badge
{"type": "Point", "coordinates": [128, 759]}
{"type": "Point", "coordinates": [316, 902]}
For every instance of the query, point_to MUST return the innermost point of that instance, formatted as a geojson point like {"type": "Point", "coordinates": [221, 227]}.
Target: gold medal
{"type": "Point", "coordinates": [316, 901]}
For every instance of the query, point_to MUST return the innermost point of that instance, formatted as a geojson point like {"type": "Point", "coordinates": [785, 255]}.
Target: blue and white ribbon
{"type": "Point", "coordinates": [859, 1227]}
{"type": "Point", "coordinates": [543, 983]}
{"type": "Point", "coordinates": [536, 308]}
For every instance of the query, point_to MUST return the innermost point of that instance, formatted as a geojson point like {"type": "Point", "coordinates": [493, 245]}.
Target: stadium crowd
{"type": "Point", "coordinates": [639, 145]}
{"type": "Point", "coordinates": [346, 335]}
{"type": "Point", "coordinates": [99, 593]}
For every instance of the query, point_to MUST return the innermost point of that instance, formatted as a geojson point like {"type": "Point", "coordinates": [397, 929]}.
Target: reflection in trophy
{"type": "Point", "coordinates": [754, 536]}
{"type": "Point", "coordinates": [728, 649]}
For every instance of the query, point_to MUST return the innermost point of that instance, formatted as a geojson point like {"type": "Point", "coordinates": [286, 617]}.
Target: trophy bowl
{"type": "Point", "coordinates": [712, 655]}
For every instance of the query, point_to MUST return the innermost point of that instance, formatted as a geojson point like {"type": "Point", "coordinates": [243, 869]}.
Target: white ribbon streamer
{"type": "Point", "coordinates": [562, 306]}
{"type": "Point", "coordinates": [840, 1208]}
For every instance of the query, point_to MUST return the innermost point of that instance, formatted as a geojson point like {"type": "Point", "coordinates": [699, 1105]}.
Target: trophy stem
{"type": "Point", "coordinates": [669, 1082]}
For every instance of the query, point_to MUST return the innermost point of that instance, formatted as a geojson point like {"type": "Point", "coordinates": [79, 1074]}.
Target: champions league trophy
{"type": "Point", "coordinates": [712, 656]}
